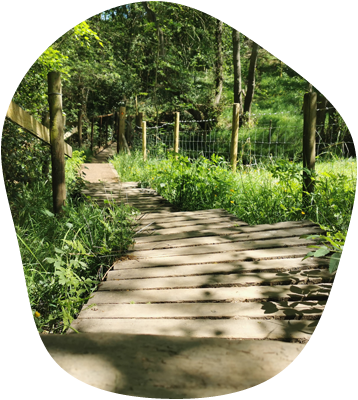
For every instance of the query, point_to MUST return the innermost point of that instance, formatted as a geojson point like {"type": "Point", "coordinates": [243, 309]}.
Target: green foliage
{"type": "Point", "coordinates": [64, 256]}
{"type": "Point", "coordinates": [267, 194]}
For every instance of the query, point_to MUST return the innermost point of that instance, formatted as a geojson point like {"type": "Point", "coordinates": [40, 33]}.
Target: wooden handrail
{"type": "Point", "coordinates": [27, 122]}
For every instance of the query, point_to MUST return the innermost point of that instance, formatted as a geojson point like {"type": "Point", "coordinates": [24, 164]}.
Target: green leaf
{"type": "Point", "coordinates": [321, 252]}
{"type": "Point", "coordinates": [334, 261]}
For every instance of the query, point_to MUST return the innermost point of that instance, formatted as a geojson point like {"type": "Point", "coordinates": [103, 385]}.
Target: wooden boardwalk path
{"type": "Point", "coordinates": [206, 274]}
{"type": "Point", "coordinates": [192, 281]}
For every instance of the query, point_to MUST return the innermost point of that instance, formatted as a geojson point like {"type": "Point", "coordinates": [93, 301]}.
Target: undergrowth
{"type": "Point", "coordinates": [65, 256]}
{"type": "Point", "coordinates": [269, 193]}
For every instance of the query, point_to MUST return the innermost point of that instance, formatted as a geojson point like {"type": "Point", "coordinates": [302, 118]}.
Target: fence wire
{"type": "Point", "coordinates": [257, 144]}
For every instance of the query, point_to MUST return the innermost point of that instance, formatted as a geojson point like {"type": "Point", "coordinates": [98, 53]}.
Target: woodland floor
{"type": "Point", "coordinates": [203, 306]}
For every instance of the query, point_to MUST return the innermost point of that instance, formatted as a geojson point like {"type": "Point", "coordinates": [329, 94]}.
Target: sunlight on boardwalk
{"type": "Point", "coordinates": [207, 274]}
{"type": "Point", "coordinates": [203, 304]}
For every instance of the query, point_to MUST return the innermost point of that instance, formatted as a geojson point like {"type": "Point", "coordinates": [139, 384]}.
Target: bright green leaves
{"type": "Point", "coordinates": [82, 32]}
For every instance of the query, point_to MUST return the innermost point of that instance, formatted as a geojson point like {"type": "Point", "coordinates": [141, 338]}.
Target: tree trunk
{"type": "Point", "coordinates": [153, 18]}
{"type": "Point", "coordinates": [237, 67]}
{"type": "Point", "coordinates": [352, 137]}
{"type": "Point", "coordinates": [251, 78]}
{"type": "Point", "coordinates": [324, 66]}
{"type": "Point", "coordinates": [79, 127]}
{"type": "Point", "coordinates": [219, 64]}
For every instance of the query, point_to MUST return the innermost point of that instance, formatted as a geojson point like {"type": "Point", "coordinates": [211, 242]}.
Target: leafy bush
{"type": "Point", "coordinates": [64, 256]}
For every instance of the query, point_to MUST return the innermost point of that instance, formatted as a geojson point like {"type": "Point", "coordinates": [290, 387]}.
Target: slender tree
{"type": "Point", "coordinates": [251, 78]}
{"type": "Point", "coordinates": [219, 78]}
{"type": "Point", "coordinates": [237, 67]}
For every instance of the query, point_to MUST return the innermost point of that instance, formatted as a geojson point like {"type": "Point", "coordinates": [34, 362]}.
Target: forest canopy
{"type": "Point", "coordinates": [172, 55]}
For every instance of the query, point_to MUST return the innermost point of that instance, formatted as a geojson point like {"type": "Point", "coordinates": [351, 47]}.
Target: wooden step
{"type": "Point", "coordinates": [240, 279]}
{"type": "Point", "coordinates": [297, 292]}
{"type": "Point", "coordinates": [224, 247]}
{"type": "Point", "coordinates": [252, 310]}
{"type": "Point", "coordinates": [236, 237]}
{"type": "Point", "coordinates": [249, 255]}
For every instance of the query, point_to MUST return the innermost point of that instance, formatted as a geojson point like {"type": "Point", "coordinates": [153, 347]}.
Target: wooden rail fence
{"type": "Point", "coordinates": [54, 136]}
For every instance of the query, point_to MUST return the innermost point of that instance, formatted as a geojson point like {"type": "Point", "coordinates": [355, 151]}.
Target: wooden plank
{"type": "Point", "coordinates": [177, 216]}
{"type": "Point", "coordinates": [230, 226]}
{"type": "Point", "coordinates": [193, 213]}
{"type": "Point", "coordinates": [216, 280]}
{"type": "Point", "coordinates": [189, 222]}
{"type": "Point", "coordinates": [250, 255]}
{"type": "Point", "coordinates": [275, 310]}
{"type": "Point", "coordinates": [152, 237]}
{"type": "Point", "coordinates": [300, 292]}
{"type": "Point", "coordinates": [227, 328]}
{"type": "Point", "coordinates": [27, 122]}
{"type": "Point", "coordinates": [224, 247]}
{"type": "Point", "coordinates": [236, 267]}
{"type": "Point", "coordinates": [205, 240]}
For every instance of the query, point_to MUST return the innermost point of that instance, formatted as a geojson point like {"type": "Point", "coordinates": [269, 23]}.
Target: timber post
{"type": "Point", "coordinates": [100, 133]}
{"type": "Point", "coordinates": [57, 141]}
{"type": "Point", "coordinates": [116, 119]}
{"type": "Point", "coordinates": [234, 135]}
{"type": "Point", "coordinates": [309, 145]}
{"type": "Point", "coordinates": [79, 127]}
{"type": "Point", "coordinates": [121, 128]}
{"type": "Point", "coordinates": [144, 140]}
{"type": "Point", "coordinates": [92, 131]}
{"type": "Point", "coordinates": [106, 132]}
{"type": "Point", "coordinates": [176, 132]}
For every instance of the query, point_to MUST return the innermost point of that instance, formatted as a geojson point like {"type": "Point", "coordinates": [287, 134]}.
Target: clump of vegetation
{"type": "Point", "coordinates": [269, 193]}
{"type": "Point", "coordinates": [65, 256]}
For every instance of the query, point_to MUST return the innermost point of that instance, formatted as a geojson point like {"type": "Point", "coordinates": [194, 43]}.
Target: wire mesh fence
{"type": "Point", "coordinates": [259, 143]}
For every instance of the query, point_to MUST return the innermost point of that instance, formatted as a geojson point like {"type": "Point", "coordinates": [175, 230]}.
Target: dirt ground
{"type": "Point", "coordinates": [140, 366]}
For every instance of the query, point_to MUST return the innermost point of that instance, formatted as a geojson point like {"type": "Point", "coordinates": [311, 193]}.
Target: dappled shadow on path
{"type": "Point", "coordinates": [169, 367]}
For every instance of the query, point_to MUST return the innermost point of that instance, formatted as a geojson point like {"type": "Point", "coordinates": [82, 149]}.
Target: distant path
{"type": "Point", "coordinates": [227, 305]}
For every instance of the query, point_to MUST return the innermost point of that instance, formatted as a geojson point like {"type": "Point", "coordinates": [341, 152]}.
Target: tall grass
{"type": "Point", "coordinates": [269, 193]}
{"type": "Point", "coordinates": [65, 256]}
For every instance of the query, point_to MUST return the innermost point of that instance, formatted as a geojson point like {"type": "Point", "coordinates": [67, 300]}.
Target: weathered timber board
{"type": "Point", "coordinates": [287, 310]}
{"type": "Point", "coordinates": [212, 240]}
{"type": "Point", "coordinates": [240, 279]}
{"type": "Point", "coordinates": [155, 236]}
{"type": "Point", "coordinates": [177, 216]}
{"type": "Point", "coordinates": [219, 211]}
{"type": "Point", "coordinates": [249, 255]}
{"type": "Point", "coordinates": [26, 121]}
{"type": "Point", "coordinates": [224, 247]}
{"type": "Point", "coordinates": [176, 224]}
{"type": "Point", "coordinates": [236, 267]}
{"type": "Point", "coordinates": [225, 228]}
{"type": "Point", "coordinates": [298, 292]}
{"type": "Point", "coordinates": [219, 328]}
{"type": "Point", "coordinates": [169, 367]}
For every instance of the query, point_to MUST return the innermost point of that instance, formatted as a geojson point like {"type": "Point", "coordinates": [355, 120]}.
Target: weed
{"type": "Point", "coordinates": [61, 254]}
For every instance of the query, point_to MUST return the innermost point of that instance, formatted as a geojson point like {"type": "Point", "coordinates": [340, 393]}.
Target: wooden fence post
{"type": "Point", "coordinates": [121, 127]}
{"type": "Point", "coordinates": [79, 127]}
{"type": "Point", "coordinates": [106, 132]}
{"type": "Point", "coordinates": [100, 133]}
{"type": "Point", "coordinates": [57, 141]}
{"type": "Point", "coordinates": [309, 145]}
{"type": "Point", "coordinates": [92, 131]}
{"type": "Point", "coordinates": [176, 132]}
{"type": "Point", "coordinates": [144, 140]}
{"type": "Point", "coordinates": [139, 119]}
{"type": "Point", "coordinates": [234, 135]}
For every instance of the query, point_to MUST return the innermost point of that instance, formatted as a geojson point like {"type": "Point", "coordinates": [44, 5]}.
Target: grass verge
{"type": "Point", "coordinates": [65, 256]}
